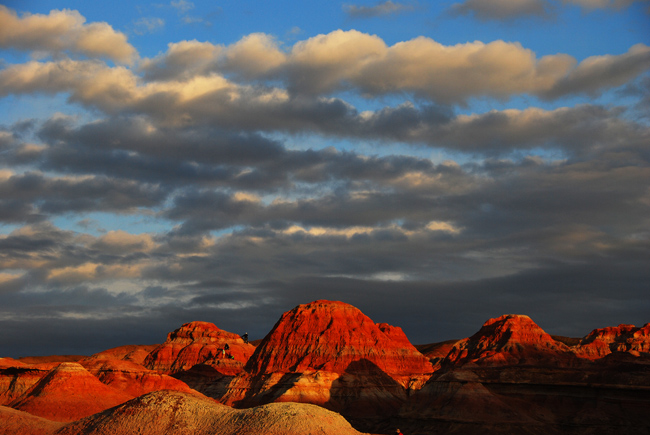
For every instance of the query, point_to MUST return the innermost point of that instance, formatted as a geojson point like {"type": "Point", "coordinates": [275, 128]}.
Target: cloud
{"type": "Point", "coordinates": [63, 31]}
{"type": "Point", "coordinates": [602, 4]}
{"type": "Point", "coordinates": [596, 73]}
{"type": "Point", "coordinates": [380, 9]}
{"type": "Point", "coordinates": [184, 59]}
{"type": "Point", "coordinates": [502, 9]}
{"type": "Point", "coordinates": [183, 6]}
{"type": "Point", "coordinates": [184, 87]}
{"type": "Point", "coordinates": [148, 25]}
{"type": "Point", "coordinates": [34, 195]}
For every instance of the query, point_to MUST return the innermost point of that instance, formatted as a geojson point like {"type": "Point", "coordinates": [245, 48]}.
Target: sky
{"type": "Point", "coordinates": [435, 164]}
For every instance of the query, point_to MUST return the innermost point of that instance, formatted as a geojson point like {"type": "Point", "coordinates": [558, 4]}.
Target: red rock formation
{"type": "Point", "coordinates": [67, 393]}
{"type": "Point", "coordinates": [200, 343]}
{"type": "Point", "coordinates": [622, 338]}
{"type": "Point", "coordinates": [135, 353]}
{"type": "Point", "coordinates": [16, 380]}
{"type": "Point", "coordinates": [510, 339]}
{"type": "Point", "coordinates": [14, 422]}
{"type": "Point", "coordinates": [330, 336]}
{"type": "Point", "coordinates": [133, 378]}
{"type": "Point", "coordinates": [331, 354]}
{"type": "Point", "coordinates": [10, 362]}
{"type": "Point", "coordinates": [436, 352]}
{"type": "Point", "coordinates": [50, 359]}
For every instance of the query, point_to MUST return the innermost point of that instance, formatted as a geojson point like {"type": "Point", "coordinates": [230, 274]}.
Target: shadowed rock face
{"type": "Point", "coordinates": [67, 393]}
{"type": "Point", "coordinates": [200, 343]}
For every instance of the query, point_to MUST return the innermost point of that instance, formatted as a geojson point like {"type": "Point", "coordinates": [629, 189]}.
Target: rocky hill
{"type": "Point", "coordinates": [331, 354]}
{"type": "Point", "coordinates": [67, 393]}
{"type": "Point", "coordinates": [200, 343]}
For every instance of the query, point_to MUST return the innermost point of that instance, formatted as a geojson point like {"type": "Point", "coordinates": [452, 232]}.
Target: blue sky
{"type": "Point", "coordinates": [435, 164]}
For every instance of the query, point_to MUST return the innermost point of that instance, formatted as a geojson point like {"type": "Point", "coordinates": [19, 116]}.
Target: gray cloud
{"type": "Point", "coordinates": [380, 9]}
{"type": "Point", "coordinates": [503, 9]}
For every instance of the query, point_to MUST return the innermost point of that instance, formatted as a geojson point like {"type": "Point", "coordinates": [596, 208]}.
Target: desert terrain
{"type": "Point", "coordinates": [326, 368]}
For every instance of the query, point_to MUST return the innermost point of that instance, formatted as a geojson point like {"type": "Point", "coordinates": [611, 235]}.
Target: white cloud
{"type": "Point", "coordinates": [62, 31]}
{"type": "Point", "coordinates": [148, 25]}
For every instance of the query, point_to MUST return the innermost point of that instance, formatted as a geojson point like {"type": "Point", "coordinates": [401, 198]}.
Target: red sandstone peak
{"type": "Point", "coordinates": [332, 336]}
{"type": "Point", "coordinates": [67, 393]}
{"type": "Point", "coordinates": [132, 378]}
{"type": "Point", "coordinates": [200, 343]}
{"type": "Point", "coordinates": [509, 339]}
{"type": "Point", "coordinates": [622, 338]}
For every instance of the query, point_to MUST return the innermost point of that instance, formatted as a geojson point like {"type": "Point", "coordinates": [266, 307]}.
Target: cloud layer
{"type": "Point", "coordinates": [229, 182]}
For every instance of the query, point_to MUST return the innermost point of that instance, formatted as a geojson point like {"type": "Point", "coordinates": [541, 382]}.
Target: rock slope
{"type": "Point", "coordinates": [67, 393]}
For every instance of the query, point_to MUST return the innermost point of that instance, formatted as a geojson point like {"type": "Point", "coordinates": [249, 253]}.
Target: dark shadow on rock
{"type": "Point", "coordinates": [365, 391]}
{"type": "Point", "coordinates": [258, 394]}
{"type": "Point", "coordinates": [205, 379]}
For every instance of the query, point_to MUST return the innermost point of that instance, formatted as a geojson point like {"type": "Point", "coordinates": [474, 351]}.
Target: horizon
{"type": "Point", "coordinates": [434, 165]}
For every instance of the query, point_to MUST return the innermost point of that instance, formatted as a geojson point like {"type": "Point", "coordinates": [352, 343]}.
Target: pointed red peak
{"type": "Point", "coordinates": [200, 343]}
{"type": "Point", "coordinates": [69, 392]}
{"type": "Point", "coordinates": [200, 332]}
{"type": "Point", "coordinates": [509, 339]}
{"type": "Point", "coordinates": [331, 335]}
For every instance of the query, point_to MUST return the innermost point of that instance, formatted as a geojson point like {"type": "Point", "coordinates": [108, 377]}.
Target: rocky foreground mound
{"type": "Point", "coordinates": [173, 412]}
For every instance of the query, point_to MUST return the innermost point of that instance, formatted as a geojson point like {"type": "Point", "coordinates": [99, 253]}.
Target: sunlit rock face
{"type": "Point", "coordinates": [132, 378]}
{"type": "Point", "coordinates": [331, 354]}
{"type": "Point", "coordinates": [331, 336]}
{"type": "Point", "coordinates": [622, 338]}
{"type": "Point", "coordinates": [200, 343]}
{"type": "Point", "coordinates": [69, 392]}
{"type": "Point", "coordinates": [15, 380]}
{"type": "Point", "coordinates": [507, 340]}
